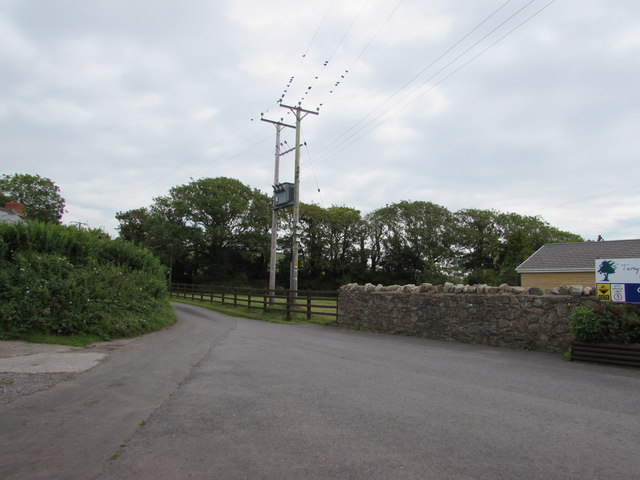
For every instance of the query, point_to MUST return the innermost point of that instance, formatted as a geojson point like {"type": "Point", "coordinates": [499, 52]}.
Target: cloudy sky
{"type": "Point", "coordinates": [527, 106]}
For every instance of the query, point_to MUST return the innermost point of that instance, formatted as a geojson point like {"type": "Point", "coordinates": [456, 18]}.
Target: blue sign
{"type": "Point", "coordinates": [632, 292]}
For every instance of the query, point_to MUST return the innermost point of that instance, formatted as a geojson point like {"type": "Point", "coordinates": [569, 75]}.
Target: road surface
{"type": "Point", "coordinates": [215, 397]}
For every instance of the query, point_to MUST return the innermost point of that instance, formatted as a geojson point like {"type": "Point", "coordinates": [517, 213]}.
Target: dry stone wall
{"type": "Point", "coordinates": [506, 316]}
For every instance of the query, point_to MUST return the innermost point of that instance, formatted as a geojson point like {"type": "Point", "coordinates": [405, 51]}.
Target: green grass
{"type": "Point", "coordinates": [258, 314]}
{"type": "Point", "coordinates": [70, 340]}
{"type": "Point", "coordinates": [6, 382]}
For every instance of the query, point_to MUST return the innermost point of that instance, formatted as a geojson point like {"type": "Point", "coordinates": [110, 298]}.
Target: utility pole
{"type": "Point", "coordinates": [81, 225]}
{"type": "Point", "coordinates": [274, 214]}
{"type": "Point", "coordinates": [300, 113]}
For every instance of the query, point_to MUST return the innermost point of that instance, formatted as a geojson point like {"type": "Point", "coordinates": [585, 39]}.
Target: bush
{"type": "Point", "coordinates": [65, 281]}
{"type": "Point", "coordinates": [602, 322]}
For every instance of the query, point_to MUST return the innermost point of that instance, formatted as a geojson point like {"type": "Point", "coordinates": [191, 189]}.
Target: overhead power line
{"type": "Point", "coordinates": [417, 75]}
{"type": "Point", "coordinates": [389, 112]}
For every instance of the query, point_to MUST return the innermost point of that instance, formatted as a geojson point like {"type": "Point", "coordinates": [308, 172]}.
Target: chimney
{"type": "Point", "coordinates": [15, 206]}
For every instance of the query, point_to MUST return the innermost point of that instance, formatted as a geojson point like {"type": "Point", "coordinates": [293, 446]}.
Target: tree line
{"type": "Point", "coordinates": [217, 230]}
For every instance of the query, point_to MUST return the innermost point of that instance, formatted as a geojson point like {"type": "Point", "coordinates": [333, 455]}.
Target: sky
{"type": "Point", "coordinates": [525, 106]}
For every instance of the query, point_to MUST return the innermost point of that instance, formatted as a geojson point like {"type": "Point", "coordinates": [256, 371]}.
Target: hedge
{"type": "Point", "coordinates": [63, 280]}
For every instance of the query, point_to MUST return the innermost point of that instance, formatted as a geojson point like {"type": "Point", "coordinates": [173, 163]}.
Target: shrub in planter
{"type": "Point", "coordinates": [613, 323]}
{"type": "Point", "coordinates": [585, 324]}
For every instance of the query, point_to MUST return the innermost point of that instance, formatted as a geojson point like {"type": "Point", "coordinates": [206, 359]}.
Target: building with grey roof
{"type": "Point", "coordinates": [556, 264]}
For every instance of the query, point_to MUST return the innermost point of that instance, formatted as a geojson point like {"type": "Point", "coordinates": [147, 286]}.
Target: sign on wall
{"type": "Point", "coordinates": [618, 279]}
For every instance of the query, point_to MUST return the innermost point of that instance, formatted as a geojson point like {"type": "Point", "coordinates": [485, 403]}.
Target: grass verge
{"type": "Point", "coordinates": [70, 340]}
{"type": "Point", "coordinates": [162, 317]}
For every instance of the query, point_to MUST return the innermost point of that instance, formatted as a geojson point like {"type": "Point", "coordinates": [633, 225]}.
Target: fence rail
{"type": "Point", "coordinates": [307, 302]}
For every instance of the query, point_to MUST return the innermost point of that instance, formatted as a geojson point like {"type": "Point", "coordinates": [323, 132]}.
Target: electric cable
{"type": "Point", "coordinates": [366, 47]}
{"type": "Point", "coordinates": [406, 84]}
{"type": "Point", "coordinates": [195, 156]}
{"type": "Point", "coordinates": [354, 137]}
{"type": "Point", "coordinates": [306, 145]}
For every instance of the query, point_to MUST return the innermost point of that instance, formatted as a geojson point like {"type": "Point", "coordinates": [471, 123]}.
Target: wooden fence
{"type": "Point", "coordinates": [307, 302]}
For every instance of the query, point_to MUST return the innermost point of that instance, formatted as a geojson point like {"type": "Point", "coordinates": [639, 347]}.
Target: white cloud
{"type": "Point", "coordinates": [13, 45]}
{"type": "Point", "coordinates": [118, 101]}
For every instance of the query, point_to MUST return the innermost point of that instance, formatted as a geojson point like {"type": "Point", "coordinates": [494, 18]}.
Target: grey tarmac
{"type": "Point", "coordinates": [215, 397]}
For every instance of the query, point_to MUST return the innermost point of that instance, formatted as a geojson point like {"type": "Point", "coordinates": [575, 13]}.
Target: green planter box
{"type": "Point", "coordinates": [609, 353]}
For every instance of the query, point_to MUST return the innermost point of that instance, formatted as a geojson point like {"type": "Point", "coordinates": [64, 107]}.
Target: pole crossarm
{"type": "Point", "coordinates": [299, 109]}
{"type": "Point", "coordinates": [287, 151]}
{"type": "Point", "coordinates": [277, 123]}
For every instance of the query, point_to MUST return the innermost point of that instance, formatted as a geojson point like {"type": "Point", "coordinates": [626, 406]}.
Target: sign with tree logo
{"type": "Point", "coordinates": [618, 279]}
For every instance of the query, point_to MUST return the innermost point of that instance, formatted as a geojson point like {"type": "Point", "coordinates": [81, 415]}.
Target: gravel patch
{"type": "Point", "coordinates": [15, 385]}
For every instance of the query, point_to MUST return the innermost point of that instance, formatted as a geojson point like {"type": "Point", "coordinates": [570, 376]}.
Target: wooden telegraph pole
{"type": "Point", "coordinates": [300, 113]}
{"type": "Point", "coordinates": [274, 214]}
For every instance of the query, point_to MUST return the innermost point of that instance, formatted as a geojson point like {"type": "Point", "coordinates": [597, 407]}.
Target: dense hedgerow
{"type": "Point", "coordinates": [63, 280]}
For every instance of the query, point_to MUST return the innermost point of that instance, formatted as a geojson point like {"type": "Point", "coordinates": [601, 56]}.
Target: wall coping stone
{"type": "Point", "coordinates": [453, 289]}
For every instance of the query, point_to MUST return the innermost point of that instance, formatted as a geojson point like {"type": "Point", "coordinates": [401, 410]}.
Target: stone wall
{"type": "Point", "coordinates": [505, 316]}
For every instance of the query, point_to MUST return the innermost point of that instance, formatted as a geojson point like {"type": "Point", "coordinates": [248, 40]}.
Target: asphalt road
{"type": "Point", "coordinates": [221, 398]}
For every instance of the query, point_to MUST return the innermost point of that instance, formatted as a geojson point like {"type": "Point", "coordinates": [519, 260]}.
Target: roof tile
{"type": "Point", "coordinates": [579, 256]}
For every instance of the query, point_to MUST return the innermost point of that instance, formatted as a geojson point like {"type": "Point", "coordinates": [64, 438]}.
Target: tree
{"type": "Point", "coordinates": [164, 234]}
{"type": "Point", "coordinates": [413, 241]}
{"type": "Point", "coordinates": [478, 235]}
{"type": "Point", "coordinates": [217, 229]}
{"type": "Point", "coordinates": [345, 234]}
{"type": "Point", "coordinates": [521, 237]}
{"type": "Point", "coordinates": [209, 230]}
{"type": "Point", "coordinates": [39, 196]}
{"type": "Point", "coordinates": [134, 225]}
{"type": "Point", "coordinates": [331, 245]}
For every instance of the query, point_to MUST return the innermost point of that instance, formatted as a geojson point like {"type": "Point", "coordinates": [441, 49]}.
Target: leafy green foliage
{"type": "Point", "coordinates": [412, 242]}
{"type": "Point", "coordinates": [216, 230]}
{"type": "Point", "coordinates": [39, 196]}
{"type": "Point", "coordinates": [210, 230]}
{"type": "Point", "coordinates": [491, 244]}
{"type": "Point", "coordinates": [585, 324]}
{"type": "Point", "coordinates": [603, 322]}
{"type": "Point", "coordinates": [66, 281]}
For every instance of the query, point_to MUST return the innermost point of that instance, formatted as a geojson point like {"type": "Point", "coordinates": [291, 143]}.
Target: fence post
{"type": "Point", "coordinates": [249, 300]}
{"type": "Point", "coordinates": [308, 306]}
{"type": "Point", "coordinates": [264, 302]}
{"type": "Point", "coordinates": [289, 299]}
